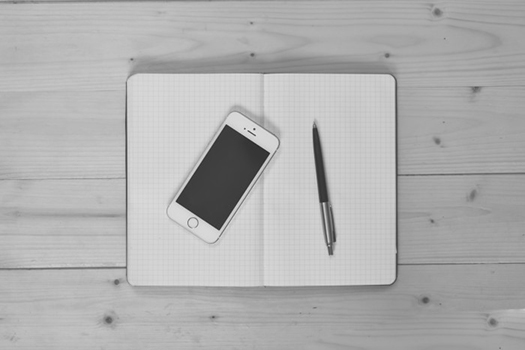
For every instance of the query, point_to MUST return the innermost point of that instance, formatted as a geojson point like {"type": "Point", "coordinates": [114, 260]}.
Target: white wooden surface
{"type": "Point", "coordinates": [429, 307]}
{"type": "Point", "coordinates": [461, 165]}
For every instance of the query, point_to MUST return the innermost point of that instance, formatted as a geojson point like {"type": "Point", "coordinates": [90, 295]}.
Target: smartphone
{"type": "Point", "coordinates": [223, 177]}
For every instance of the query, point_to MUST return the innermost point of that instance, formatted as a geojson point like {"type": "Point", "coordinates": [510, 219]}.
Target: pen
{"type": "Point", "coordinates": [326, 207]}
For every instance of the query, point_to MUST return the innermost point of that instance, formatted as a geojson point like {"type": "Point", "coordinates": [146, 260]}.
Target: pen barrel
{"type": "Point", "coordinates": [319, 168]}
{"type": "Point", "coordinates": [328, 226]}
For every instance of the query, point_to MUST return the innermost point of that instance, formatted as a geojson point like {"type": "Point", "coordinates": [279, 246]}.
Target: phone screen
{"type": "Point", "coordinates": [222, 177]}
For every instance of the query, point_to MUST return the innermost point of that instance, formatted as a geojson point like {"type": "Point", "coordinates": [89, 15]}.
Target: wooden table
{"type": "Point", "coordinates": [460, 67]}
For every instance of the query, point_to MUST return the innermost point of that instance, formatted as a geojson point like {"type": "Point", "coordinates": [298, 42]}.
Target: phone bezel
{"type": "Point", "coordinates": [253, 132]}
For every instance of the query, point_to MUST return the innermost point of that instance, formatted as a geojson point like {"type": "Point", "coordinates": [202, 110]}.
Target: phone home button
{"type": "Point", "coordinates": [193, 222]}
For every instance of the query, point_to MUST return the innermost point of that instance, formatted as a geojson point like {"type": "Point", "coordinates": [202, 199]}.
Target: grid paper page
{"type": "Point", "coordinates": [171, 119]}
{"type": "Point", "coordinates": [355, 116]}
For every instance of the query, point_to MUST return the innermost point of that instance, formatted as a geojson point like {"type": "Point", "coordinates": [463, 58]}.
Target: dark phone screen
{"type": "Point", "coordinates": [222, 177]}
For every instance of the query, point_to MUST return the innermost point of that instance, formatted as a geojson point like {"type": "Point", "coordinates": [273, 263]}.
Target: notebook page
{"type": "Point", "coordinates": [355, 116]}
{"type": "Point", "coordinates": [171, 119]}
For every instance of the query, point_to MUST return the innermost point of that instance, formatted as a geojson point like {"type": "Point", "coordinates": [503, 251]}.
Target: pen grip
{"type": "Point", "coordinates": [319, 168]}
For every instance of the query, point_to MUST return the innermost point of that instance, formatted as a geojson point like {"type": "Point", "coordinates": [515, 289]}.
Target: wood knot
{"type": "Point", "coordinates": [437, 12]}
{"type": "Point", "coordinates": [493, 322]}
{"type": "Point", "coordinates": [472, 195]}
{"type": "Point", "coordinates": [116, 282]}
{"type": "Point", "coordinates": [475, 89]}
{"type": "Point", "coordinates": [252, 54]}
{"type": "Point", "coordinates": [425, 300]}
{"type": "Point", "coordinates": [110, 319]}
{"type": "Point", "coordinates": [387, 55]}
{"type": "Point", "coordinates": [437, 140]}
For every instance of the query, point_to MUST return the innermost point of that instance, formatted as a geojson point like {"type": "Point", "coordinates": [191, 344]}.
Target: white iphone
{"type": "Point", "coordinates": [223, 177]}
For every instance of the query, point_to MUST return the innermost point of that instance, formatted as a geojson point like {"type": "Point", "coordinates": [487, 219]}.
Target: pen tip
{"type": "Point", "coordinates": [330, 250]}
{"type": "Point", "coordinates": [315, 126]}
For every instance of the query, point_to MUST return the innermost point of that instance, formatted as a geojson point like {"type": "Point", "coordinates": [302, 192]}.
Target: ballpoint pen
{"type": "Point", "coordinates": [326, 207]}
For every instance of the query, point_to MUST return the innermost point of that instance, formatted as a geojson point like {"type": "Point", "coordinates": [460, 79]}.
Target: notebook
{"type": "Point", "coordinates": [276, 237]}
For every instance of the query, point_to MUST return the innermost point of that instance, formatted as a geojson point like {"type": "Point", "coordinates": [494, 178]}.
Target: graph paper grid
{"type": "Point", "coordinates": [276, 236]}
{"type": "Point", "coordinates": [355, 116]}
{"type": "Point", "coordinates": [171, 118]}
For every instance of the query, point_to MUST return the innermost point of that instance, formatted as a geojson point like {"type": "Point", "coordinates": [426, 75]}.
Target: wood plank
{"type": "Point", "coordinates": [440, 131]}
{"type": "Point", "coordinates": [442, 219]}
{"type": "Point", "coordinates": [62, 223]}
{"type": "Point", "coordinates": [96, 46]}
{"type": "Point", "coordinates": [461, 219]}
{"type": "Point", "coordinates": [461, 130]}
{"type": "Point", "coordinates": [452, 307]}
{"type": "Point", "coordinates": [62, 134]}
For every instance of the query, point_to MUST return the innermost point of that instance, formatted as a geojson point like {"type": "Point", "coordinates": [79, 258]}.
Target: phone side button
{"type": "Point", "coordinates": [193, 222]}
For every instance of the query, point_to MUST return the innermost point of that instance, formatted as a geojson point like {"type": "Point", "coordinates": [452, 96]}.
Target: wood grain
{"type": "Point", "coordinates": [460, 71]}
{"type": "Point", "coordinates": [461, 130]}
{"type": "Point", "coordinates": [61, 223]}
{"type": "Point", "coordinates": [88, 309]}
{"type": "Point", "coordinates": [80, 56]}
{"type": "Point", "coordinates": [461, 219]}
{"type": "Point", "coordinates": [62, 134]}
{"type": "Point", "coordinates": [442, 219]}
{"type": "Point", "coordinates": [459, 66]}
{"type": "Point", "coordinates": [96, 46]}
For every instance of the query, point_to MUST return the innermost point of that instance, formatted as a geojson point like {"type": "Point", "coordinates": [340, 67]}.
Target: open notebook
{"type": "Point", "coordinates": [276, 237]}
